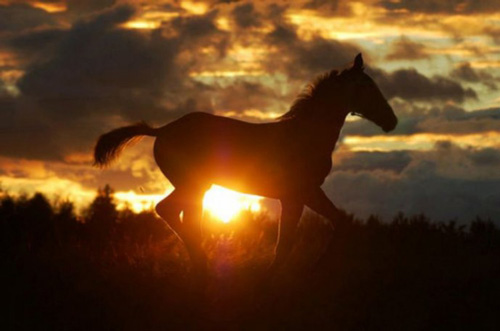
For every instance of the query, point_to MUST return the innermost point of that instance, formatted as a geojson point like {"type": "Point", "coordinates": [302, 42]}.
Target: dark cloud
{"type": "Point", "coordinates": [88, 6]}
{"type": "Point", "coordinates": [32, 46]}
{"type": "Point", "coordinates": [97, 75]}
{"type": "Point", "coordinates": [466, 73]}
{"type": "Point", "coordinates": [243, 95]}
{"type": "Point", "coordinates": [303, 59]}
{"type": "Point", "coordinates": [368, 161]}
{"type": "Point", "coordinates": [438, 6]}
{"type": "Point", "coordinates": [329, 7]}
{"type": "Point", "coordinates": [445, 183]}
{"type": "Point", "coordinates": [246, 16]}
{"type": "Point", "coordinates": [423, 117]}
{"type": "Point", "coordinates": [486, 157]}
{"type": "Point", "coordinates": [467, 122]}
{"type": "Point", "coordinates": [25, 132]}
{"type": "Point", "coordinates": [195, 27]}
{"type": "Point", "coordinates": [409, 84]}
{"type": "Point", "coordinates": [406, 49]}
{"type": "Point", "coordinates": [282, 34]}
{"type": "Point", "coordinates": [19, 17]}
{"type": "Point", "coordinates": [494, 33]}
{"type": "Point", "coordinates": [3, 89]}
{"type": "Point", "coordinates": [275, 12]}
{"type": "Point", "coordinates": [487, 114]}
{"type": "Point", "coordinates": [447, 119]}
{"type": "Point", "coordinates": [97, 67]}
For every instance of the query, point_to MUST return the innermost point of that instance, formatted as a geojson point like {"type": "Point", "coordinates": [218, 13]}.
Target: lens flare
{"type": "Point", "coordinates": [225, 204]}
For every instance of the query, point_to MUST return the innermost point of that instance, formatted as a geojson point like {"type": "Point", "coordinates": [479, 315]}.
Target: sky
{"type": "Point", "coordinates": [71, 70]}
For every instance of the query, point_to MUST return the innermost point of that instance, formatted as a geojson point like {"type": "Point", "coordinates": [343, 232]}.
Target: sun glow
{"type": "Point", "coordinates": [195, 8]}
{"type": "Point", "coordinates": [137, 202]}
{"type": "Point", "coordinates": [53, 7]}
{"type": "Point", "coordinates": [225, 204]}
{"type": "Point", "coordinates": [221, 203]}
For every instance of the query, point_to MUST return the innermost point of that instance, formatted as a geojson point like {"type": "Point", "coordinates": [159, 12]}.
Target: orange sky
{"type": "Point", "coordinates": [71, 70]}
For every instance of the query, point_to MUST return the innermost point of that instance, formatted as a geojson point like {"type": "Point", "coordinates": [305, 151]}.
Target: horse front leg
{"type": "Point", "coordinates": [291, 211]}
{"type": "Point", "coordinates": [319, 202]}
{"type": "Point", "coordinates": [191, 233]}
{"type": "Point", "coordinates": [169, 210]}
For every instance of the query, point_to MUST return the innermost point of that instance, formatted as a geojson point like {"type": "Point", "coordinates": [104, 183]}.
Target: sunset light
{"type": "Point", "coordinates": [72, 70]}
{"type": "Point", "coordinates": [205, 164]}
{"type": "Point", "coordinates": [51, 7]}
{"type": "Point", "coordinates": [220, 203]}
{"type": "Point", "coordinates": [422, 141]}
{"type": "Point", "coordinates": [193, 7]}
{"type": "Point", "coordinates": [137, 202]}
{"type": "Point", "coordinates": [225, 204]}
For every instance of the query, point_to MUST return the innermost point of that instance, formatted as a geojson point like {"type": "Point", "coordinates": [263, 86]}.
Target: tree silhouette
{"type": "Point", "coordinates": [102, 216]}
{"type": "Point", "coordinates": [67, 227]}
{"type": "Point", "coordinates": [411, 273]}
{"type": "Point", "coordinates": [37, 221]}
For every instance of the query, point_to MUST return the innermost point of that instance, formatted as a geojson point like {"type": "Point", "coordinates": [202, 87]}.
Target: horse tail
{"type": "Point", "coordinates": [110, 144]}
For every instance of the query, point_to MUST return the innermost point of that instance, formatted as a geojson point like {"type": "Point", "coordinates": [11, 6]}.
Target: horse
{"type": "Point", "coordinates": [287, 159]}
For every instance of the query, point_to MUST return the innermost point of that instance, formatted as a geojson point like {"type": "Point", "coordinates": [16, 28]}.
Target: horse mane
{"type": "Point", "coordinates": [302, 105]}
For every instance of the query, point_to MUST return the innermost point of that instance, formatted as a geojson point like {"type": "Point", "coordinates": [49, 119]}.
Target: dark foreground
{"type": "Point", "coordinates": [122, 271]}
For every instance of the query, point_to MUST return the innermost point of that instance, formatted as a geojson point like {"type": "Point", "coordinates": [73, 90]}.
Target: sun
{"type": "Point", "coordinates": [225, 204]}
{"type": "Point", "coordinates": [221, 203]}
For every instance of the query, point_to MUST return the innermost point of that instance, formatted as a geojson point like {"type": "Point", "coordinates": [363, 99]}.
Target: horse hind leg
{"type": "Point", "coordinates": [189, 201]}
{"type": "Point", "coordinates": [169, 210]}
{"type": "Point", "coordinates": [290, 214]}
{"type": "Point", "coordinates": [192, 234]}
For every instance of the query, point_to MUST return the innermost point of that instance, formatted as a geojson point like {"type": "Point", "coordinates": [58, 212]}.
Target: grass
{"type": "Point", "coordinates": [64, 272]}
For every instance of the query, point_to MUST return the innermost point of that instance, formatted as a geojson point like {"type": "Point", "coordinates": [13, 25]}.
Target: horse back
{"type": "Point", "coordinates": [248, 157]}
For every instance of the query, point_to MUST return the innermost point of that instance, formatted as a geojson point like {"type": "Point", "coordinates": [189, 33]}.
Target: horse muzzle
{"type": "Point", "coordinates": [388, 127]}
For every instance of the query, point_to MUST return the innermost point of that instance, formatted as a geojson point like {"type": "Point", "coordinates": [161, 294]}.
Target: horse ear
{"type": "Point", "coordinates": [358, 62]}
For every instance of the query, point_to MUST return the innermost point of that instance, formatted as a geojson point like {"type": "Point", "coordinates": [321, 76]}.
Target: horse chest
{"type": "Point", "coordinates": [313, 169]}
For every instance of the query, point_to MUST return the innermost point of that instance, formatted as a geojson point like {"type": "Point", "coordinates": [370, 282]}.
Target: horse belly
{"type": "Point", "coordinates": [258, 183]}
{"type": "Point", "coordinates": [245, 158]}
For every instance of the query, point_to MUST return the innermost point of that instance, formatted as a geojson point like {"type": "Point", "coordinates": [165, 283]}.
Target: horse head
{"type": "Point", "coordinates": [365, 98]}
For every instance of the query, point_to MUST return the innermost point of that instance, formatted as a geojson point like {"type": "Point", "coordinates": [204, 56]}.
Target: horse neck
{"type": "Point", "coordinates": [321, 132]}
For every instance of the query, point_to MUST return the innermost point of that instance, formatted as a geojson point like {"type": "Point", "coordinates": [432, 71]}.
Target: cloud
{"type": "Point", "coordinates": [447, 119]}
{"type": "Point", "coordinates": [461, 122]}
{"type": "Point", "coordinates": [451, 7]}
{"type": "Point", "coordinates": [19, 17]}
{"type": "Point", "coordinates": [330, 7]}
{"type": "Point", "coordinates": [3, 89]}
{"type": "Point", "coordinates": [243, 95]}
{"type": "Point", "coordinates": [88, 6]}
{"type": "Point", "coordinates": [304, 59]}
{"type": "Point", "coordinates": [466, 73]}
{"type": "Point", "coordinates": [198, 27]}
{"type": "Point", "coordinates": [246, 16]}
{"type": "Point", "coordinates": [406, 49]}
{"type": "Point", "coordinates": [82, 73]}
{"type": "Point", "coordinates": [33, 45]}
{"type": "Point", "coordinates": [395, 161]}
{"type": "Point", "coordinates": [486, 157]}
{"type": "Point", "coordinates": [445, 183]}
{"type": "Point", "coordinates": [24, 131]}
{"type": "Point", "coordinates": [409, 84]}
{"type": "Point", "coordinates": [98, 69]}
{"type": "Point", "coordinates": [494, 33]}
{"type": "Point", "coordinates": [96, 75]}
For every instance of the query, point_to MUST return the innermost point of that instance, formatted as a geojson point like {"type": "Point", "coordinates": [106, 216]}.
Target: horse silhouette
{"type": "Point", "coordinates": [287, 159]}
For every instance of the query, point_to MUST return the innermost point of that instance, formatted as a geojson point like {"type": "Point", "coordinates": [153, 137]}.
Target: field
{"type": "Point", "coordinates": [116, 270]}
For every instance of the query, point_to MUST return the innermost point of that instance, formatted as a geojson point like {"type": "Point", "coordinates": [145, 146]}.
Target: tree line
{"type": "Point", "coordinates": [115, 269]}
